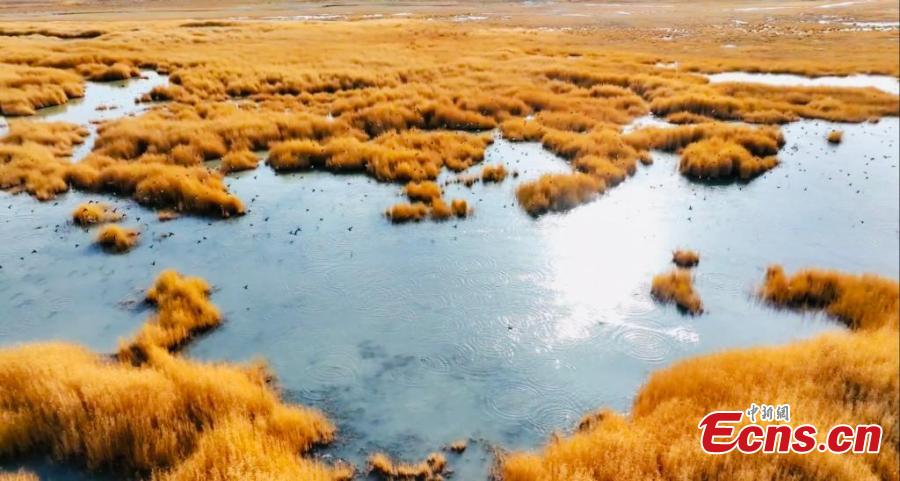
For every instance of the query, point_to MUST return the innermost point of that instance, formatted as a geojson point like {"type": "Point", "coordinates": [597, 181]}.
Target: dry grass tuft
{"type": "Point", "coordinates": [425, 191]}
{"type": "Point", "coordinates": [835, 136]}
{"type": "Point", "coordinates": [460, 208]}
{"type": "Point", "coordinates": [558, 192]}
{"type": "Point", "coordinates": [458, 446]}
{"type": "Point", "coordinates": [677, 286]}
{"type": "Point", "coordinates": [721, 159]}
{"type": "Point", "coordinates": [862, 302]}
{"type": "Point", "coordinates": [115, 238]}
{"type": "Point", "coordinates": [24, 89]}
{"type": "Point", "coordinates": [19, 475]}
{"type": "Point", "coordinates": [685, 258]}
{"type": "Point", "coordinates": [428, 470]}
{"type": "Point", "coordinates": [90, 213]}
{"type": "Point", "coordinates": [167, 215]}
{"type": "Point", "coordinates": [835, 378]}
{"type": "Point", "coordinates": [403, 212]}
{"type": "Point", "coordinates": [238, 160]}
{"type": "Point", "coordinates": [171, 418]}
{"type": "Point", "coordinates": [493, 173]}
{"type": "Point", "coordinates": [183, 311]}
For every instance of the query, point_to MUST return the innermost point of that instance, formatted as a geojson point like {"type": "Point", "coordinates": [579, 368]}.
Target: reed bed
{"type": "Point", "coordinates": [848, 377]}
{"type": "Point", "coordinates": [862, 302]}
{"type": "Point", "coordinates": [158, 416]}
{"type": "Point", "coordinates": [406, 111]}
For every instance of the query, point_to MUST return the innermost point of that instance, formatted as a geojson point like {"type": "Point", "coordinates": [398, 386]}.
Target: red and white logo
{"type": "Point", "coordinates": [725, 431]}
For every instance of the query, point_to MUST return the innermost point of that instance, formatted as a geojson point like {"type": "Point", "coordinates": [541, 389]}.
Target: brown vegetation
{"type": "Point", "coordinates": [428, 470]}
{"type": "Point", "coordinates": [835, 378]}
{"type": "Point", "coordinates": [115, 238]}
{"type": "Point", "coordinates": [20, 475]}
{"type": "Point", "coordinates": [458, 446]}
{"type": "Point", "coordinates": [835, 136]}
{"type": "Point", "coordinates": [685, 258]}
{"type": "Point", "coordinates": [862, 302]}
{"type": "Point", "coordinates": [162, 416]}
{"type": "Point", "coordinates": [238, 160]}
{"type": "Point", "coordinates": [183, 310]}
{"type": "Point", "coordinates": [493, 173]}
{"type": "Point", "coordinates": [426, 191]}
{"type": "Point", "coordinates": [460, 208]}
{"type": "Point", "coordinates": [403, 212]}
{"type": "Point", "coordinates": [90, 213]}
{"type": "Point", "coordinates": [397, 114]}
{"type": "Point", "coordinates": [677, 286]}
{"type": "Point", "coordinates": [558, 192]}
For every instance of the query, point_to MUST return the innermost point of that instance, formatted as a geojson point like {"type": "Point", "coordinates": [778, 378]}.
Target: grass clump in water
{"type": "Point", "coordinates": [721, 159]}
{"type": "Point", "coordinates": [677, 286]}
{"type": "Point", "coordinates": [118, 239]}
{"type": "Point", "coordinates": [861, 302]}
{"type": "Point", "coordinates": [835, 136]}
{"type": "Point", "coordinates": [425, 191]}
{"type": "Point", "coordinates": [558, 192]}
{"type": "Point", "coordinates": [848, 377]}
{"type": "Point", "coordinates": [685, 258]}
{"type": "Point", "coordinates": [430, 469]}
{"type": "Point", "coordinates": [493, 173]}
{"type": "Point", "coordinates": [405, 212]}
{"type": "Point", "coordinates": [90, 213]}
{"type": "Point", "coordinates": [183, 311]}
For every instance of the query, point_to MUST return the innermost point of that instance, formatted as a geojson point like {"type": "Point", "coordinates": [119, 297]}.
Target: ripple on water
{"type": "Point", "coordinates": [341, 366]}
{"type": "Point", "coordinates": [646, 343]}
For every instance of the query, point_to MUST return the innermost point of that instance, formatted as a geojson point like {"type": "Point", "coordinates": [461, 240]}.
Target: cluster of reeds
{"type": "Point", "coordinates": [714, 150]}
{"type": "Point", "coordinates": [677, 286]}
{"type": "Point", "coordinates": [430, 469]}
{"type": "Point", "coordinates": [183, 310]}
{"type": "Point", "coordinates": [835, 136]}
{"type": "Point", "coordinates": [861, 302]}
{"type": "Point", "coordinates": [685, 258]}
{"type": "Point", "coordinates": [848, 377]}
{"type": "Point", "coordinates": [90, 213]}
{"type": "Point", "coordinates": [118, 239]}
{"type": "Point", "coordinates": [24, 89]}
{"type": "Point", "coordinates": [436, 208]}
{"type": "Point", "coordinates": [152, 413]}
{"type": "Point", "coordinates": [493, 173]}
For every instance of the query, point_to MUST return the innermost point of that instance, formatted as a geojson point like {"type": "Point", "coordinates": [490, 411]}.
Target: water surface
{"type": "Point", "coordinates": [884, 83]}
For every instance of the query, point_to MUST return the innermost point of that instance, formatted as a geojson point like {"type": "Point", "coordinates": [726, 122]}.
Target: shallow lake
{"type": "Point", "coordinates": [884, 83]}
{"type": "Point", "coordinates": [498, 328]}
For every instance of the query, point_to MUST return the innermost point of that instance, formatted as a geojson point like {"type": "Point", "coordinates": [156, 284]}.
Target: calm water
{"type": "Point", "coordinates": [884, 83]}
{"type": "Point", "coordinates": [498, 328]}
